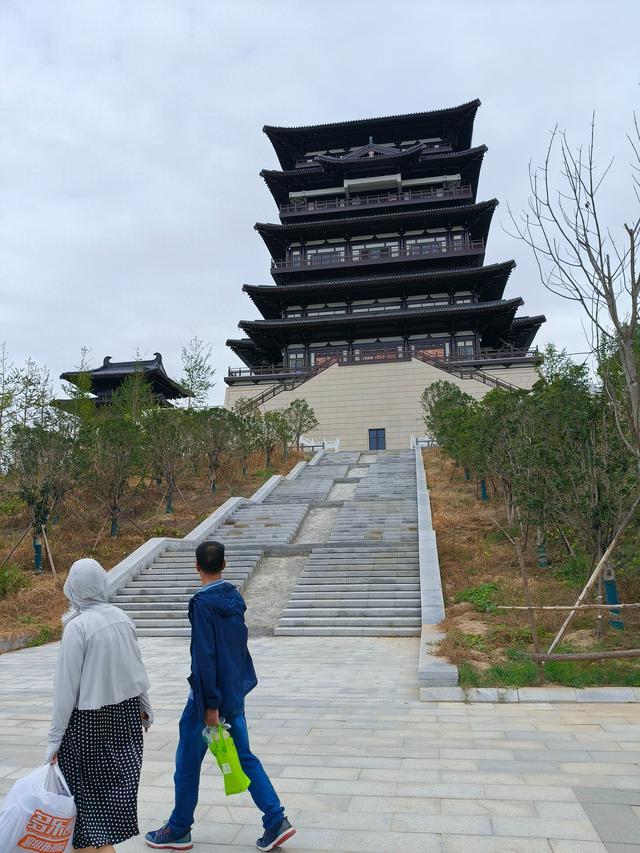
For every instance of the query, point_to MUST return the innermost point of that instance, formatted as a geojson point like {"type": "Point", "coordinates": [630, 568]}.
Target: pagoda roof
{"type": "Point", "coordinates": [111, 374]}
{"type": "Point", "coordinates": [490, 279]}
{"type": "Point", "coordinates": [248, 352]}
{"type": "Point", "coordinates": [272, 334]}
{"type": "Point", "coordinates": [523, 330]}
{"type": "Point", "coordinates": [277, 237]}
{"type": "Point", "coordinates": [452, 123]}
{"type": "Point", "coordinates": [324, 172]}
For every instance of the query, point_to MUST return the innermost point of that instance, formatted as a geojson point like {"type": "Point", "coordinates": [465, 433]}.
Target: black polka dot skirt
{"type": "Point", "coordinates": [100, 757]}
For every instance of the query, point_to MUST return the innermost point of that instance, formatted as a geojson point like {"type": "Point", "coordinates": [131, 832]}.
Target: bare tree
{"type": "Point", "coordinates": [583, 258]}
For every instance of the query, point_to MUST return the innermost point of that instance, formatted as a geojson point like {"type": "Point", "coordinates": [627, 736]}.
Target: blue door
{"type": "Point", "coordinates": [377, 440]}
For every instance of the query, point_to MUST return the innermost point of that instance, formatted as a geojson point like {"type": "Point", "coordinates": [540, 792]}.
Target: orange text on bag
{"type": "Point", "coordinates": [47, 833]}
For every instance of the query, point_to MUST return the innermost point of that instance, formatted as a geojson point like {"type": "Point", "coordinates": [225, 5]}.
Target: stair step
{"type": "Point", "coordinates": [345, 631]}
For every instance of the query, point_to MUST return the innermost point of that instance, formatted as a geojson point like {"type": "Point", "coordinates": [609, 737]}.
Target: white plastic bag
{"type": "Point", "coordinates": [39, 814]}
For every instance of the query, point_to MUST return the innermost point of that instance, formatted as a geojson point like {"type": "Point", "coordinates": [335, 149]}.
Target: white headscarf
{"type": "Point", "coordinates": [85, 587]}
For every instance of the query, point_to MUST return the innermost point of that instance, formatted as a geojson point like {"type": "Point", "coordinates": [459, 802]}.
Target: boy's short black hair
{"type": "Point", "coordinates": [210, 557]}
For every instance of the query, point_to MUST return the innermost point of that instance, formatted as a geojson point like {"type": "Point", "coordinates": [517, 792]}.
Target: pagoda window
{"type": "Point", "coordinates": [375, 250]}
{"type": "Point", "coordinates": [293, 312]}
{"type": "Point", "coordinates": [325, 254]}
{"type": "Point", "coordinates": [463, 300]}
{"type": "Point", "coordinates": [465, 348]}
{"type": "Point", "coordinates": [326, 310]}
{"type": "Point", "coordinates": [432, 346]}
{"type": "Point", "coordinates": [378, 305]}
{"type": "Point", "coordinates": [296, 360]}
{"type": "Point", "coordinates": [426, 301]}
{"type": "Point", "coordinates": [426, 245]}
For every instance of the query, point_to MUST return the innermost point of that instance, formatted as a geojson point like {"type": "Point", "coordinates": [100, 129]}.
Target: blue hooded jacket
{"type": "Point", "coordinates": [222, 671]}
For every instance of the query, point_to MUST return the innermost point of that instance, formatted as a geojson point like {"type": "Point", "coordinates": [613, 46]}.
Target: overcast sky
{"type": "Point", "coordinates": [130, 144]}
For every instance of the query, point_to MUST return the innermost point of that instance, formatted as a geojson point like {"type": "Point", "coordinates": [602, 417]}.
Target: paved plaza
{"type": "Point", "coordinates": [362, 765]}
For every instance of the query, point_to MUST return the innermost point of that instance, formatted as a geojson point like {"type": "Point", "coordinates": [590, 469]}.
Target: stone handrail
{"type": "Point", "coordinates": [144, 556]}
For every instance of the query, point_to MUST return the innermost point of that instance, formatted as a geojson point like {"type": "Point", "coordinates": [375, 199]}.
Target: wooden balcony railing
{"type": "Point", "coordinates": [368, 355]}
{"type": "Point", "coordinates": [384, 255]}
{"type": "Point", "coordinates": [327, 205]}
{"type": "Point", "coordinates": [432, 147]}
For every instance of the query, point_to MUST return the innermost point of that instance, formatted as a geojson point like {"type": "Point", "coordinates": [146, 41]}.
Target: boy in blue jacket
{"type": "Point", "coordinates": [222, 674]}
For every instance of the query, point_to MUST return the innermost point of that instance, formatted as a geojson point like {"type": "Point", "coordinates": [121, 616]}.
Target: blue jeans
{"type": "Point", "coordinates": [190, 753]}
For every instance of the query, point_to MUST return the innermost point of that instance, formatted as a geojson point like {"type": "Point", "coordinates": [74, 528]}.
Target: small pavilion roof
{"type": "Point", "coordinates": [111, 374]}
{"type": "Point", "coordinates": [323, 174]}
{"type": "Point", "coordinates": [275, 333]}
{"type": "Point", "coordinates": [490, 280]}
{"type": "Point", "coordinates": [452, 123]}
{"type": "Point", "coordinates": [477, 216]}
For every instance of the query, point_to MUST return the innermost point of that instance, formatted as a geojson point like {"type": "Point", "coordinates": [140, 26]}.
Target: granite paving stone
{"type": "Point", "coordinates": [361, 764]}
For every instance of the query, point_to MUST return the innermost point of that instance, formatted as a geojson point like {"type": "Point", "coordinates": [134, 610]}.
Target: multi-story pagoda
{"type": "Point", "coordinates": [380, 284]}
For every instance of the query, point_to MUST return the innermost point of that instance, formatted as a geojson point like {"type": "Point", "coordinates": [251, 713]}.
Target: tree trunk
{"type": "Point", "coordinates": [543, 560]}
{"type": "Point", "coordinates": [115, 527]}
{"type": "Point", "coordinates": [169, 507]}
{"type": "Point", "coordinates": [37, 553]}
{"type": "Point", "coordinates": [629, 360]}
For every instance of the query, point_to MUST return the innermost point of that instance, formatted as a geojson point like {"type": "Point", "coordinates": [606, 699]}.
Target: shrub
{"type": "Point", "coordinates": [574, 571]}
{"type": "Point", "coordinates": [12, 579]}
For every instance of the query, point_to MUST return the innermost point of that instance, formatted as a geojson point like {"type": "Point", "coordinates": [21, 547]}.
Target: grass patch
{"type": "Point", "coordinates": [11, 506]}
{"type": "Point", "coordinates": [45, 635]}
{"type": "Point", "coordinates": [481, 596]}
{"type": "Point", "coordinates": [500, 535]}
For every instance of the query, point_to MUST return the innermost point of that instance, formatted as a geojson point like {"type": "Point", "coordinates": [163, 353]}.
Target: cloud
{"type": "Point", "coordinates": [131, 145]}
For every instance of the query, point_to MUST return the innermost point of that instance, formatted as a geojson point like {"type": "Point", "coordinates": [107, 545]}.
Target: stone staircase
{"type": "Point", "coordinates": [366, 580]}
{"type": "Point", "coordinates": [157, 598]}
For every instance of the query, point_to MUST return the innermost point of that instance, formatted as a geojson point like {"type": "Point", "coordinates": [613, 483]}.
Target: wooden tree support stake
{"type": "Point", "coordinates": [184, 501]}
{"type": "Point", "coordinates": [49, 556]}
{"type": "Point", "coordinates": [619, 653]}
{"type": "Point", "coordinates": [15, 547]}
{"type": "Point", "coordinates": [595, 574]}
{"type": "Point", "coordinates": [564, 606]}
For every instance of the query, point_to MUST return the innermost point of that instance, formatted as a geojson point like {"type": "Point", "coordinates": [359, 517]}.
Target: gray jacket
{"type": "Point", "coordinates": [99, 661]}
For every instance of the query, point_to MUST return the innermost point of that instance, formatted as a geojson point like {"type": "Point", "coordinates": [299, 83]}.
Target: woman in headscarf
{"type": "Point", "coordinates": [100, 706]}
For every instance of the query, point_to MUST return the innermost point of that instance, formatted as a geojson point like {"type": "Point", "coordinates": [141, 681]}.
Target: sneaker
{"type": "Point", "coordinates": [276, 836]}
{"type": "Point", "coordinates": [165, 839]}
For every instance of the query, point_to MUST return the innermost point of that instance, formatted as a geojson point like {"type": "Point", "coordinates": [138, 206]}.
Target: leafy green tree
{"type": "Point", "coordinates": [284, 433]}
{"type": "Point", "coordinates": [300, 417]}
{"type": "Point", "coordinates": [197, 372]}
{"type": "Point", "coordinates": [270, 426]}
{"type": "Point", "coordinates": [40, 471]}
{"type": "Point", "coordinates": [214, 434]}
{"type": "Point", "coordinates": [32, 393]}
{"type": "Point", "coordinates": [7, 395]}
{"type": "Point", "coordinates": [170, 444]}
{"type": "Point", "coordinates": [113, 449]}
{"type": "Point", "coordinates": [246, 432]}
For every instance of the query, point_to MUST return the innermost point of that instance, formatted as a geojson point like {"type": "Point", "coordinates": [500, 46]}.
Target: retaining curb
{"type": "Point", "coordinates": [433, 671]}
{"type": "Point", "coordinates": [528, 695]}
